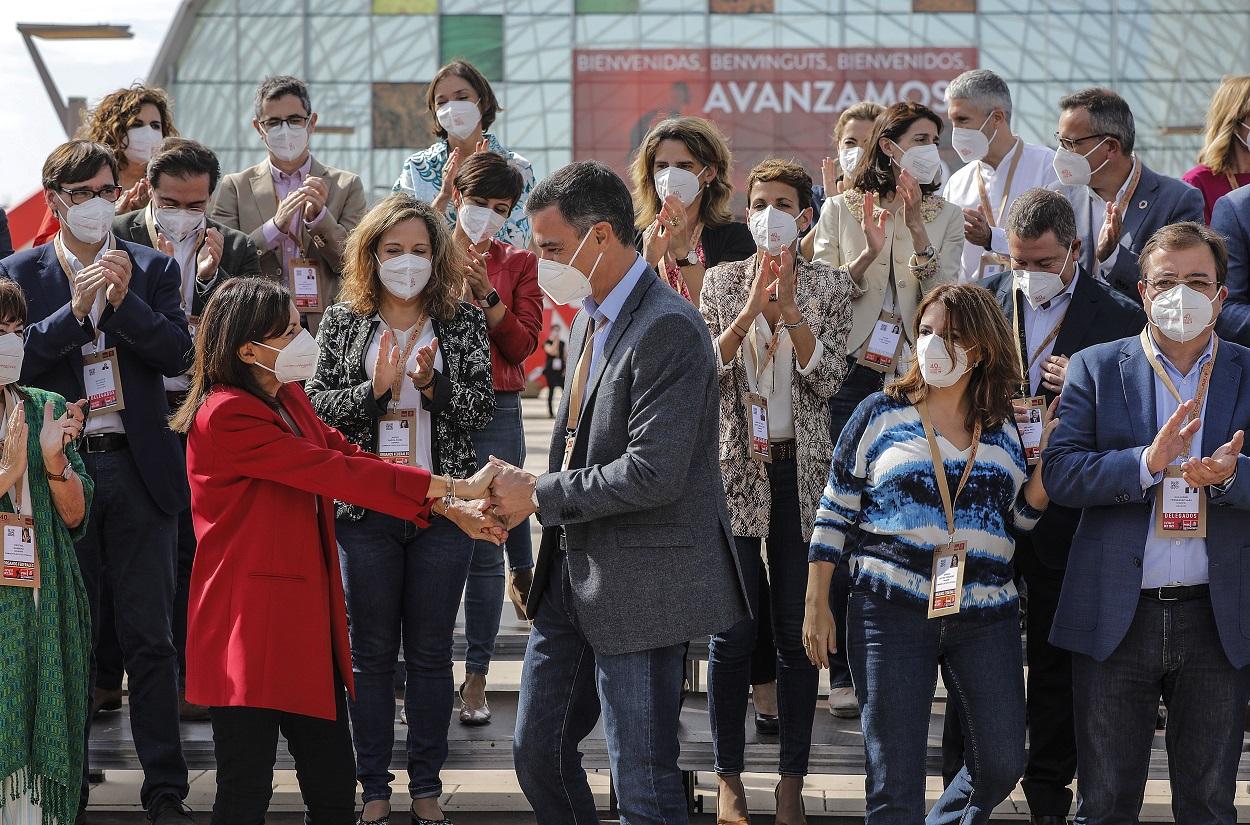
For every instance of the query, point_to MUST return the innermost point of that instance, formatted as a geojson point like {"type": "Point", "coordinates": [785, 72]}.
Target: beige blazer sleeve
{"type": "Point", "coordinates": [345, 206]}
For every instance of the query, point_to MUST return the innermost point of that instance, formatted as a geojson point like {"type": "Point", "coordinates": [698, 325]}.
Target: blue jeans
{"type": "Point", "coordinates": [564, 686]}
{"type": "Point", "coordinates": [397, 575]}
{"type": "Point", "coordinates": [503, 437]}
{"type": "Point", "coordinates": [895, 652]}
{"type": "Point", "coordinates": [729, 657]}
{"type": "Point", "coordinates": [1172, 649]}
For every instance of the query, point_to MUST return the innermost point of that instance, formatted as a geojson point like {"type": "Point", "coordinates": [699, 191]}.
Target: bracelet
{"type": "Point", "coordinates": [738, 332]}
{"type": "Point", "coordinates": [927, 253]}
{"type": "Point", "coordinates": [428, 384]}
{"type": "Point", "coordinates": [795, 325]}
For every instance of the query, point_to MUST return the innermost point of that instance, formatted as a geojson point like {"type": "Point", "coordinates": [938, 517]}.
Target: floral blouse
{"type": "Point", "coordinates": [422, 177]}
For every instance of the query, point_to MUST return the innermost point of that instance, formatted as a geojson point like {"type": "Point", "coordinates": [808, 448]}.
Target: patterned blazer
{"type": "Point", "coordinates": [824, 297]}
{"type": "Point", "coordinates": [464, 398]}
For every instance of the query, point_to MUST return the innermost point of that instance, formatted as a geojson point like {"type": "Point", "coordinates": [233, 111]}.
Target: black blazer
{"type": "Point", "coordinates": [150, 333]}
{"type": "Point", "coordinates": [727, 242]}
{"type": "Point", "coordinates": [1097, 314]}
{"type": "Point", "coordinates": [238, 254]}
{"type": "Point", "coordinates": [6, 240]}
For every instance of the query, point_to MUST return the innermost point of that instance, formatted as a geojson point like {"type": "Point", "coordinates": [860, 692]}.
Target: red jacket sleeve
{"type": "Point", "coordinates": [47, 229]}
{"type": "Point", "coordinates": [516, 336]}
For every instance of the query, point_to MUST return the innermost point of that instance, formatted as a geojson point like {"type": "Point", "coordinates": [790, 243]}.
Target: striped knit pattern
{"type": "Point", "coordinates": [882, 509]}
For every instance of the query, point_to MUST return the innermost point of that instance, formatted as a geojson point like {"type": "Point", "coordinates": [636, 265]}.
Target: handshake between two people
{"type": "Point", "coordinates": [495, 499]}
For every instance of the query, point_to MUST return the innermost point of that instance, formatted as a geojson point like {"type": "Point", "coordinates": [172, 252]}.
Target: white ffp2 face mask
{"type": "Point", "coordinates": [1182, 313]}
{"type": "Point", "coordinates": [178, 224]}
{"type": "Point", "coordinates": [1073, 169]}
{"type": "Point", "coordinates": [478, 222]}
{"type": "Point", "coordinates": [90, 222]}
{"type": "Point", "coordinates": [565, 283]}
{"type": "Point", "coordinates": [972, 144]}
{"type": "Point", "coordinates": [848, 158]}
{"type": "Point", "coordinates": [937, 366]}
{"type": "Point", "coordinates": [287, 142]}
{"type": "Point", "coordinates": [922, 162]}
{"type": "Point", "coordinates": [297, 361]}
{"type": "Point", "coordinates": [404, 276]}
{"type": "Point", "coordinates": [141, 142]}
{"type": "Point", "coordinates": [773, 230]}
{"type": "Point", "coordinates": [12, 349]}
{"type": "Point", "coordinates": [672, 180]}
{"type": "Point", "coordinates": [459, 117]}
{"type": "Point", "coordinates": [1040, 287]}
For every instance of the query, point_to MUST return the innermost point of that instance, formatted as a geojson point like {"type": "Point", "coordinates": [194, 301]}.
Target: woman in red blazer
{"type": "Point", "coordinates": [267, 646]}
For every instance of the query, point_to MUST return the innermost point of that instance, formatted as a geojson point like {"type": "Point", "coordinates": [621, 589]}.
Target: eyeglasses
{"type": "Point", "coordinates": [110, 193]}
{"type": "Point", "coordinates": [1071, 143]}
{"type": "Point", "coordinates": [294, 121]}
{"type": "Point", "coordinates": [1199, 284]}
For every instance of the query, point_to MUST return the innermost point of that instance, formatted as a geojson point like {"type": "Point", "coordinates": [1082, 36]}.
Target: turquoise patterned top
{"type": "Point", "coordinates": [422, 177]}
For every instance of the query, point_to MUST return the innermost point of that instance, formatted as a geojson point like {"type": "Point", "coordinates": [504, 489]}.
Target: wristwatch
{"type": "Point", "coordinates": [490, 300]}
{"type": "Point", "coordinates": [61, 476]}
{"type": "Point", "coordinates": [691, 258]}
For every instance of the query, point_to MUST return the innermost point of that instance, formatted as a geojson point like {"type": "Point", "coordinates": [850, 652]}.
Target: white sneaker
{"type": "Point", "coordinates": [842, 703]}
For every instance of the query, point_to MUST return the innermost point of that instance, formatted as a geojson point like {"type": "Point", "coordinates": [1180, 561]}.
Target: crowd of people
{"type": "Point", "coordinates": [261, 437]}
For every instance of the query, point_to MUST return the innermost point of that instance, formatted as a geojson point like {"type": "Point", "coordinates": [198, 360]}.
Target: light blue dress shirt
{"type": "Point", "coordinates": [1167, 561]}
{"type": "Point", "coordinates": [606, 313]}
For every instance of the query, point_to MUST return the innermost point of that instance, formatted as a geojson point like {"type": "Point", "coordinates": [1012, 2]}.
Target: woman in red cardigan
{"type": "Point", "coordinates": [267, 646]}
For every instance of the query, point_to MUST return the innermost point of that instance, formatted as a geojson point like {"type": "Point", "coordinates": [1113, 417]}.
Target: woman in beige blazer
{"type": "Point", "coordinates": [910, 240]}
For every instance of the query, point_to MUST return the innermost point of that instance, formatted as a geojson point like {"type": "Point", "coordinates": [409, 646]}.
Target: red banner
{"type": "Point", "coordinates": [770, 102]}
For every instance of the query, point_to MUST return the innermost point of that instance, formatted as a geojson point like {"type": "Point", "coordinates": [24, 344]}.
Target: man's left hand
{"type": "Point", "coordinates": [1054, 372]}
{"type": "Point", "coordinates": [1218, 467]}
{"type": "Point", "coordinates": [315, 193]}
{"type": "Point", "coordinates": [209, 257]}
{"type": "Point", "coordinates": [116, 268]}
{"type": "Point", "coordinates": [976, 227]}
{"type": "Point", "coordinates": [511, 493]}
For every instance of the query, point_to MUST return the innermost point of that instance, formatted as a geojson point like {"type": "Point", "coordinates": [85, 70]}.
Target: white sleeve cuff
{"type": "Point", "coordinates": [814, 361]}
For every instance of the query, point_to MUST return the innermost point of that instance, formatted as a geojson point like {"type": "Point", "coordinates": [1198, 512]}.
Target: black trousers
{"type": "Point", "coordinates": [245, 745]}
{"type": "Point", "coordinates": [1051, 765]}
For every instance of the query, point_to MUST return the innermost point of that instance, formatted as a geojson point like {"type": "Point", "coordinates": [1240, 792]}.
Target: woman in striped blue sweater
{"type": "Point", "coordinates": [903, 527]}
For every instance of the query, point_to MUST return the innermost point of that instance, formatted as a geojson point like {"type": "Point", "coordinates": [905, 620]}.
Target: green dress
{"type": "Point", "coordinates": [45, 649]}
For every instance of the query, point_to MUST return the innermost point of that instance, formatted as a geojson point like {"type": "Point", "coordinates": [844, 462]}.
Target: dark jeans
{"type": "Point", "coordinates": [764, 654]}
{"type": "Point", "coordinates": [565, 685]}
{"type": "Point", "coordinates": [860, 382]}
{"type": "Point", "coordinates": [245, 744]}
{"type": "Point", "coordinates": [130, 542]}
{"type": "Point", "coordinates": [503, 437]}
{"type": "Point", "coordinates": [186, 560]}
{"type": "Point", "coordinates": [729, 656]}
{"type": "Point", "coordinates": [895, 653]}
{"type": "Point", "coordinates": [400, 576]}
{"type": "Point", "coordinates": [1172, 649]}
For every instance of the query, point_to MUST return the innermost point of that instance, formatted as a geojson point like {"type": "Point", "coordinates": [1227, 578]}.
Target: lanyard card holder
{"type": "Point", "coordinates": [882, 350]}
{"type": "Point", "coordinates": [102, 381]}
{"type": "Point", "coordinates": [21, 559]}
{"type": "Point", "coordinates": [757, 420]}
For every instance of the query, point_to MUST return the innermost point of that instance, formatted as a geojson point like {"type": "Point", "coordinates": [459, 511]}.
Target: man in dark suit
{"type": "Point", "coordinates": [637, 554]}
{"type": "Point", "coordinates": [96, 301]}
{"type": "Point", "coordinates": [6, 240]}
{"type": "Point", "coordinates": [1156, 601]}
{"type": "Point", "coordinates": [1231, 218]}
{"type": "Point", "coordinates": [182, 175]}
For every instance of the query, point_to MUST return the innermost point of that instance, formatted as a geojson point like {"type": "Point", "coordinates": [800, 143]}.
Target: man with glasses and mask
{"type": "Point", "coordinates": [296, 209]}
{"type": "Point", "coordinates": [1155, 599]}
{"type": "Point", "coordinates": [1055, 309]}
{"type": "Point", "coordinates": [106, 324]}
{"type": "Point", "coordinates": [1119, 202]}
{"type": "Point", "coordinates": [181, 176]}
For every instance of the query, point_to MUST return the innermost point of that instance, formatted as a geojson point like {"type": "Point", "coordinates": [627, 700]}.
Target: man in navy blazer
{"type": "Point", "coordinates": [89, 293]}
{"type": "Point", "coordinates": [1146, 612]}
{"type": "Point", "coordinates": [1231, 218]}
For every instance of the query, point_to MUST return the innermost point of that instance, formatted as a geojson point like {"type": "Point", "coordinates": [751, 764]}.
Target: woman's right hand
{"type": "Point", "coordinates": [478, 486]}
{"type": "Point", "coordinates": [873, 226]}
{"type": "Point", "coordinates": [386, 366]}
{"type": "Point", "coordinates": [819, 638]}
{"type": "Point", "coordinates": [452, 167]}
{"type": "Point", "coordinates": [654, 244]}
{"type": "Point", "coordinates": [13, 456]}
{"type": "Point", "coordinates": [476, 521]}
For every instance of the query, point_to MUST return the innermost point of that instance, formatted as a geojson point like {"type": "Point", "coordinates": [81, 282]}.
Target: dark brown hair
{"type": "Point", "coordinates": [488, 175]}
{"type": "Point", "coordinates": [782, 171]}
{"type": "Point", "coordinates": [240, 311]}
{"type": "Point", "coordinates": [12, 301]}
{"type": "Point", "coordinates": [182, 158]}
{"type": "Point", "coordinates": [486, 101]}
{"type": "Point", "coordinates": [1186, 235]}
{"type": "Point", "coordinates": [975, 314]}
{"type": "Point", "coordinates": [113, 116]}
{"type": "Point", "coordinates": [76, 161]}
{"type": "Point", "coordinates": [875, 172]}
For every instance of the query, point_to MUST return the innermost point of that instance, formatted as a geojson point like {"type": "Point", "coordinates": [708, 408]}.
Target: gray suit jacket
{"type": "Point", "coordinates": [1157, 202]}
{"type": "Point", "coordinates": [650, 550]}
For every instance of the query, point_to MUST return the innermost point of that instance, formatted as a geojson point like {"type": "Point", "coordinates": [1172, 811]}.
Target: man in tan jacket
{"type": "Point", "coordinates": [297, 210]}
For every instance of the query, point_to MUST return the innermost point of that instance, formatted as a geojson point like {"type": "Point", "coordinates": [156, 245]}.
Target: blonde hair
{"type": "Point", "coordinates": [1229, 106]}
{"type": "Point", "coordinates": [708, 145]}
{"type": "Point", "coordinates": [362, 288]}
{"type": "Point", "coordinates": [865, 110]}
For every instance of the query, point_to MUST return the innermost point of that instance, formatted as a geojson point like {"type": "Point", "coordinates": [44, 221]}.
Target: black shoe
{"type": "Point", "coordinates": [1161, 720]}
{"type": "Point", "coordinates": [1048, 820]}
{"type": "Point", "coordinates": [767, 723]}
{"type": "Point", "coordinates": [417, 820]}
{"type": "Point", "coordinates": [169, 810]}
{"type": "Point", "coordinates": [360, 820]}
{"type": "Point", "coordinates": [81, 817]}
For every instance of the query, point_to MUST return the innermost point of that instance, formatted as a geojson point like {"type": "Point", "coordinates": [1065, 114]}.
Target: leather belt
{"type": "Point", "coordinates": [1179, 593]}
{"type": "Point", "coordinates": [106, 442]}
{"type": "Point", "coordinates": [783, 450]}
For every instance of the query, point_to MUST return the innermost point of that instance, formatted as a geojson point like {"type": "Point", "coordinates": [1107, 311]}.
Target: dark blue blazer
{"type": "Point", "coordinates": [1107, 418]}
{"type": "Point", "coordinates": [1231, 218]}
{"type": "Point", "coordinates": [149, 330]}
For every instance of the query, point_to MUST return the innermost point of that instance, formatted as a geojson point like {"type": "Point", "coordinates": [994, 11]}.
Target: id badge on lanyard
{"type": "Point", "coordinates": [757, 418]}
{"type": "Point", "coordinates": [397, 437]}
{"type": "Point", "coordinates": [946, 593]}
{"type": "Point", "coordinates": [1031, 429]}
{"type": "Point", "coordinates": [102, 381]}
{"type": "Point", "coordinates": [306, 285]}
{"type": "Point", "coordinates": [882, 350]}
{"type": "Point", "coordinates": [21, 559]}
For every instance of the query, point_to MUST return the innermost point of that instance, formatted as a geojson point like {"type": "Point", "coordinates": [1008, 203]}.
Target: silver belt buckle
{"type": "Point", "coordinates": [1161, 597]}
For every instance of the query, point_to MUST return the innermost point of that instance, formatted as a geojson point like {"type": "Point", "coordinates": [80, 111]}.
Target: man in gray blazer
{"type": "Point", "coordinates": [637, 553]}
{"type": "Point", "coordinates": [1097, 171]}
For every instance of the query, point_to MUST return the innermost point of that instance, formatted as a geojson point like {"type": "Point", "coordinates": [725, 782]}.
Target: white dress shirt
{"type": "Point", "coordinates": [409, 395]}
{"type": "Point", "coordinates": [184, 255]}
{"type": "Point", "coordinates": [777, 379]}
{"type": "Point", "coordinates": [97, 422]}
{"type": "Point", "coordinates": [1035, 168]}
{"type": "Point", "coordinates": [1039, 323]}
{"type": "Point", "coordinates": [1098, 216]}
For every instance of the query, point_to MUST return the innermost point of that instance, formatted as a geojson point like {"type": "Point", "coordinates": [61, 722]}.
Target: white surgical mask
{"type": "Point", "coordinates": [179, 224]}
{"type": "Point", "coordinates": [972, 144]}
{"type": "Point", "coordinates": [459, 117]}
{"type": "Point", "coordinates": [90, 222]}
{"type": "Point", "coordinates": [287, 142]}
{"type": "Point", "coordinates": [1073, 169]}
{"type": "Point", "coordinates": [1182, 313]}
{"type": "Point", "coordinates": [849, 158]}
{"type": "Point", "coordinates": [1237, 132]}
{"type": "Point", "coordinates": [141, 141]}
{"type": "Point", "coordinates": [773, 230]}
{"type": "Point", "coordinates": [1040, 287]}
{"type": "Point", "coordinates": [936, 364]}
{"type": "Point", "coordinates": [478, 222]}
{"type": "Point", "coordinates": [297, 361]}
{"type": "Point", "coordinates": [922, 162]}
{"type": "Point", "coordinates": [404, 276]}
{"type": "Point", "coordinates": [565, 283]}
{"type": "Point", "coordinates": [12, 348]}
{"type": "Point", "coordinates": [672, 180]}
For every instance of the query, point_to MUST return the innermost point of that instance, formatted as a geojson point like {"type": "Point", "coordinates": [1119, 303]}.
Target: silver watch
{"type": "Point", "coordinates": [692, 258]}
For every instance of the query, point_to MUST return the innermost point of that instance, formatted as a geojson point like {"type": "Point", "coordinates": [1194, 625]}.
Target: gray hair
{"type": "Point", "coordinates": [272, 88]}
{"type": "Point", "coordinates": [587, 193]}
{"type": "Point", "coordinates": [983, 89]}
{"type": "Point", "coordinates": [1039, 211]}
{"type": "Point", "coordinates": [1109, 114]}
